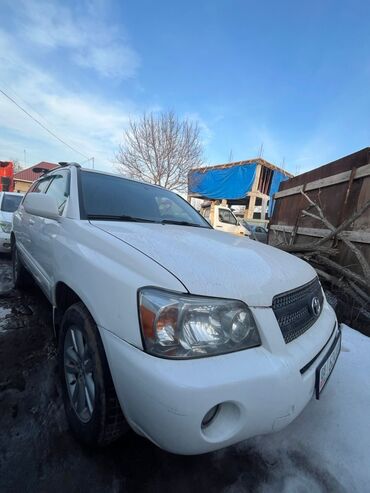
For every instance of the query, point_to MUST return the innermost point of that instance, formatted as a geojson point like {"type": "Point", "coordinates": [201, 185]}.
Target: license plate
{"type": "Point", "coordinates": [323, 371]}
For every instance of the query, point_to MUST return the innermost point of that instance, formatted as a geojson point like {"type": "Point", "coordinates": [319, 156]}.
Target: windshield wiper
{"type": "Point", "coordinates": [181, 223]}
{"type": "Point", "coordinates": [122, 217]}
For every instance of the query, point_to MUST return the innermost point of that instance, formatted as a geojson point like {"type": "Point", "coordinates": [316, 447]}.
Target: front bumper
{"type": "Point", "coordinates": [5, 242]}
{"type": "Point", "coordinates": [259, 390]}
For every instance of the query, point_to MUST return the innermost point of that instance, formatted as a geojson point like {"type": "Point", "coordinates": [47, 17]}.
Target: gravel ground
{"type": "Point", "coordinates": [38, 454]}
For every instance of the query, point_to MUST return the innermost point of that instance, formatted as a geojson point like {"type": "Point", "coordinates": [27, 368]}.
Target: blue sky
{"type": "Point", "coordinates": [294, 76]}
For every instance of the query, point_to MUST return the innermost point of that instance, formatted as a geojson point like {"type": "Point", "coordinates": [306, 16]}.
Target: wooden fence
{"type": "Point", "coordinates": [309, 207]}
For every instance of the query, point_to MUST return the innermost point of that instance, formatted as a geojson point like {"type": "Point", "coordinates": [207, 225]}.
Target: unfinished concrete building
{"type": "Point", "coordinates": [249, 184]}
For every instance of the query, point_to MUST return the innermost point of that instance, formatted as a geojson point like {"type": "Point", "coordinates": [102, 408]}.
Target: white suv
{"type": "Point", "coordinates": [195, 338]}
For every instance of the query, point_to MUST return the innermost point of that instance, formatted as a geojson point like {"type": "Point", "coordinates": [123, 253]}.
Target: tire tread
{"type": "Point", "coordinates": [112, 424]}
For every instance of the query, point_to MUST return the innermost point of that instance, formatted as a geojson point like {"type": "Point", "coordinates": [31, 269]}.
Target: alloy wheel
{"type": "Point", "coordinates": [79, 375]}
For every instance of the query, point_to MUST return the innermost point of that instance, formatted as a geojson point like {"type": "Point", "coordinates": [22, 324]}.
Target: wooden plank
{"type": "Point", "coordinates": [348, 191]}
{"type": "Point", "coordinates": [289, 191]}
{"type": "Point", "coordinates": [281, 227]}
{"type": "Point", "coordinates": [329, 180]}
{"type": "Point", "coordinates": [361, 172]}
{"type": "Point", "coordinates": [257, 160]}
{"type": "Point", "coordinates": [361, 236]}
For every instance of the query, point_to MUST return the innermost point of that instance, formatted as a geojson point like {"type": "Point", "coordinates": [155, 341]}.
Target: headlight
{"type": "Point", "coordinates": [184, 326]}
{"type": "Point", "coordinates": [6, 226]}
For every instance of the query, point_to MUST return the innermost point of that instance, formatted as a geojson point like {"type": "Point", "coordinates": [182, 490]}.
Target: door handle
{"type": "Point", "coordinates": [31, 221]}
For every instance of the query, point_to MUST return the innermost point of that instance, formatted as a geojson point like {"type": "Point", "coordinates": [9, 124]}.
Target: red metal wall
{"type": "Point", "coordinates": [6, 176]}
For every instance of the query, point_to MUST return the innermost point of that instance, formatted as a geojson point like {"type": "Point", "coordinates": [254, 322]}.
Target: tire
{"type": "Point", "coordinates": [91, 404]}
{"type": "Point", "coordinates": [21, 277]}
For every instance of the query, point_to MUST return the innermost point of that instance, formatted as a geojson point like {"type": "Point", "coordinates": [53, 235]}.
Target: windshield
{"type": "Point", "coordinates": [10, 202]}
{"type": "Point", "coordinates": [115, 198]}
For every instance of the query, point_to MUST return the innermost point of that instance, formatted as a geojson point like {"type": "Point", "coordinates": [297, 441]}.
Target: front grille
{"type": "Point", "coordinates": [293, 309]}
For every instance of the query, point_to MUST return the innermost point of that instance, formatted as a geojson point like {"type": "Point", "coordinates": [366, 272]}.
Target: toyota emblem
{"type": "Point", "coordinates": [315, 306]}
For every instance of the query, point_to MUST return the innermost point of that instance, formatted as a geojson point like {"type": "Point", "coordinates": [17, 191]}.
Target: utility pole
{"type": "Point", "coordinates": [260, 153]}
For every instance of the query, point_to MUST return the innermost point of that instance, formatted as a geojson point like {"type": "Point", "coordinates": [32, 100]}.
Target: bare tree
{"type": "Point", "coordinates": [160, 149]}
{"type": "Point", "coordinates": [17, 165]}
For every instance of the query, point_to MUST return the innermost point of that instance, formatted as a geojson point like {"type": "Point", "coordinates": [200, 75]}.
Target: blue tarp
{"type": "Point", "coordinates": [225, 183]}
{"type": "Point", "coordinates": [277, 178]}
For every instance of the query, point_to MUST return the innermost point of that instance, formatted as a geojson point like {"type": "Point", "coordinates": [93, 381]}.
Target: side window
{"type": "Point", "coordinates": [225, 216]}
{"type": "Point", "coordinates": [58, 190]}
{"type": "Point", "coordinates": [40, 186]}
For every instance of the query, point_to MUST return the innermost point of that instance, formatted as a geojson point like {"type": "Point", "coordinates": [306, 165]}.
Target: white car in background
{"type": "Point", "coordinates": [9, 202]}
{"type": "Point", "coordinates": [195, 338]}
{"type": "Point", "coordinates": [222, 218]}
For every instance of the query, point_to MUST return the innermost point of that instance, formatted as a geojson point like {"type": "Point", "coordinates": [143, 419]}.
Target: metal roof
{"type": "Point", "coordinates": [29, 175]}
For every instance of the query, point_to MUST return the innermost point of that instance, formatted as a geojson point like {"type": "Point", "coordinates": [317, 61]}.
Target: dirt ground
{"type": "Point", "coordinates": [38, 453]}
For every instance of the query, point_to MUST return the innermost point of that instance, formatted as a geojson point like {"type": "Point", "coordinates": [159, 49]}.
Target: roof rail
{"type": "Point", "coordinates": [63, 164]}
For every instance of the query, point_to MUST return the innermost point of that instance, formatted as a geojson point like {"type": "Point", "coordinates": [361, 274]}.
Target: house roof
{"type": "Point", "coordinates": [29, 175]}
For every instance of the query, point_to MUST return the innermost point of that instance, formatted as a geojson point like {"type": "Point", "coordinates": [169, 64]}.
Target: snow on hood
{"type": "Point", "coordinates": [213, 263]}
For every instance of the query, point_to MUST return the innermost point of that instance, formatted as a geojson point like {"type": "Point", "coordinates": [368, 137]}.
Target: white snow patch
{"type": "Point", "coordinates": [331, 438]}
{"type": "Point", "coordinates": [4, 312]}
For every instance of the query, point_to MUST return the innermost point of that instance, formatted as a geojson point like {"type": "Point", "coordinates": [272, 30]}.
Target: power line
{"type": "Point", "coordinates": [17, 96]}
{"type": "Point", "coordinates": [92, 159]}
{"type": "Point", "coordinates": [42, 125]}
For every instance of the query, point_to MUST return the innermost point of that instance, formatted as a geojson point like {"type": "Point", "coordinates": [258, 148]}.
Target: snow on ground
{"type": "Point", "coordinates": [328, 446]}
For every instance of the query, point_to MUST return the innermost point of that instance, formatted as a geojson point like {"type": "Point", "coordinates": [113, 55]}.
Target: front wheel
{"type": "Point", "coordinates": [90, 400]}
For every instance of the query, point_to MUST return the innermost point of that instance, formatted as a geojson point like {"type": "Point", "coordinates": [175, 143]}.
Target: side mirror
{"type": "Point", "coordinates": [42, 205]}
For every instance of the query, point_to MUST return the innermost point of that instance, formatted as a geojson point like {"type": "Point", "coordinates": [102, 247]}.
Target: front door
{"type": "Point", "coordinates": [46, 230]}
{"type": "Point", "coordinates": [24, 226]}
{"type": "Point", "coordinates": [226, 221]}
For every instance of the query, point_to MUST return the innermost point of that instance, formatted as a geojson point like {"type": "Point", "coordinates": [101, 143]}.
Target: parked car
{"type": "Point", "coordinates": [223, 219]}
{"type": "Point", "coordinates": [257, 232]}
{"type": "Point", "coordinates": [9, 202]}
{"type": "Point", "coordinates": [193, 338]}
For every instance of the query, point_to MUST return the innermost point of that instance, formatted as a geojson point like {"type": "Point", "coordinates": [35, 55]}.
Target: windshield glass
{"type": "Point", "coordinates": [115, 198]}
{"type": "Point", "coordinates": [10, 202]}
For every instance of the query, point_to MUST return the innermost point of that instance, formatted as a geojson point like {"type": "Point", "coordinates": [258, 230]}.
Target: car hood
{"type": "Point", "coordinates": [213, 263]}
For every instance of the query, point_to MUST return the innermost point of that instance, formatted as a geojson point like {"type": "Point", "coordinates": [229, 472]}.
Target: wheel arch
{"type": "Point", "coordinates": [64, 297]}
